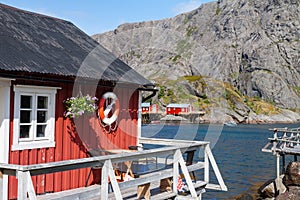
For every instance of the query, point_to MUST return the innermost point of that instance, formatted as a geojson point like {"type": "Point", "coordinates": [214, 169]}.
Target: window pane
{"type": "Point", "coordinates": [41, 116]}
{"type": "Point", "coordinates": [42, 102]}
{"type": "Point", "coordinates": [40, 131]}
{"type": "Point", "coordinates": [25, 116]}
{"type": "Point", "coordinates": [26, 101]}
{"type": "Point", "coordinates": [24, 131]}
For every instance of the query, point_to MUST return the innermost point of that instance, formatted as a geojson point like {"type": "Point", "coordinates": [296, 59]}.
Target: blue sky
{"type": "Point", "coordinates": [97, 16]}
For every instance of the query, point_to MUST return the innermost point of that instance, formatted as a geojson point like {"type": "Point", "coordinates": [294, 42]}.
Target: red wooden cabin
{"type": "Point", "coordinates": [176, 109]}
{"type": "Point", "coordinates": [43, 62]}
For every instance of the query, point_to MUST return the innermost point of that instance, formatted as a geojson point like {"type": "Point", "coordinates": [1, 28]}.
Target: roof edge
{"type": "Point", "coordinates": [32, 12]}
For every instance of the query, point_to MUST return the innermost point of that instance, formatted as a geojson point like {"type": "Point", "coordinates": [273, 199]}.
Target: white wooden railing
{"type": "Point", "coordinates": [171, 147]}
{"type": "Point", "coordinates": [282, 139]}
{"type": "Point", "coordinates": [284, 142]}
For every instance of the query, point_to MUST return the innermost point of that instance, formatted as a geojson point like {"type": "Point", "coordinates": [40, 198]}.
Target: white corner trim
{"type": "Point", "coordinates": [5, 82]}
{"type": "Point", "coordinates": [4, 132]}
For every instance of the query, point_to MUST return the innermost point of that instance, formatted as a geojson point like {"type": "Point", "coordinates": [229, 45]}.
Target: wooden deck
{"type": "Point", "coordinates": [174, 149]}
{"type": "Point", "coordinates": [93, 193]}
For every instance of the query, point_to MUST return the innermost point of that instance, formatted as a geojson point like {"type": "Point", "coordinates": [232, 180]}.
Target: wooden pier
{"type": "Point", "coordinates": [284, 142]}
{"type": "Point", "coordinates": [171, 152]}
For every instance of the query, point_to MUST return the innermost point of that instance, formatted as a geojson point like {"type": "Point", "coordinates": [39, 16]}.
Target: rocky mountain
{"type": "Point", "coordinates": [238, 56]}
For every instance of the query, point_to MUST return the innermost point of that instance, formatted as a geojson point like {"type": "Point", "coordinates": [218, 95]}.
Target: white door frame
{"type": "Point", "coordinates": [4, 132]}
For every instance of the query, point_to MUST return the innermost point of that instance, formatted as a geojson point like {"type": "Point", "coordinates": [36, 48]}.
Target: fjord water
{"type": "Point", "coordinates": [237, 151]}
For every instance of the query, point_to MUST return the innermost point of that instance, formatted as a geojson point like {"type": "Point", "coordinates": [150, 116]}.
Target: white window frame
{"type": "Point", "coordinates": [34, 142]}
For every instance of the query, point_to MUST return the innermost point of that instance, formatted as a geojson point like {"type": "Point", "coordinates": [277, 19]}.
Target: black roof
{"type": "Point", "coordinates": [35, 43]}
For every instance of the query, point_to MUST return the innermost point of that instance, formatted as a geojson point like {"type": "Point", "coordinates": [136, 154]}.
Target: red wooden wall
{"type": "Point", "coordinates": [174, 111]}
{"type": "Point", "coordinates": [74, 138]}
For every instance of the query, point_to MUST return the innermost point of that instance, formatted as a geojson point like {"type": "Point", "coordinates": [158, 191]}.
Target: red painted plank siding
{"type": "Point", "coordinates": [174, 111]}
{"type": "Point", "coordinates": [49, 177]}
{"type": "Point", "coordinates": [72, 142]}
{"type": "Point", "coordinates": [59, 127]}
{"type": "Point", "coordinates": [33, 160]}
{"type": "Point", "coordinates": [41, 155]}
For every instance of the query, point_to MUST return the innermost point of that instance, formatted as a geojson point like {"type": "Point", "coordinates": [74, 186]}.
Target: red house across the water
{"type": "Point", "coordinates": [43, 62]}
{"type": "Point", "coordinates": [176, 109]}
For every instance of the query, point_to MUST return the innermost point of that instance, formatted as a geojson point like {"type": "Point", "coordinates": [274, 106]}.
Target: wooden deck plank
{"type": "Point", "coordinates": [93, 193]}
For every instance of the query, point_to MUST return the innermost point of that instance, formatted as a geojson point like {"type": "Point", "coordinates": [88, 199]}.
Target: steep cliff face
{"type": "Point", "coordinates": [245, 51]}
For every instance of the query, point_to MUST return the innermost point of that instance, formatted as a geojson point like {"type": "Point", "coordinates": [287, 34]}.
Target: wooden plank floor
{"type": "Point", "coordinates": [93, 193]}
{"type": "Point", "coordinates": [131, 193]}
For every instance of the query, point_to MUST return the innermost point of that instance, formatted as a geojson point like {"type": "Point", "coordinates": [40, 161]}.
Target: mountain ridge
{"type": "Point", "coordinates": [243, 56]}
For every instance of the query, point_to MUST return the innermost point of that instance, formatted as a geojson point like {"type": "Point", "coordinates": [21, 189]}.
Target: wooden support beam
{"type": "Point", "coordinates": [277, 165]}
{"type": "Point", "coordinates": [22, 193]}
{"type": "Point", "coordinates": [206, 167]}
{"type": "Point", "coordinates": [215, 168]}
{"type": "Point", "coordinates": [25, 186]}
{"type": "Point", "coordinates": [185, 173]}
{"type": "Point", "coordinates": [108, 172]}
{"type": "Point", "coordinates": [176, 170]}
{"type": "Point", "coordinates": [30, 187]}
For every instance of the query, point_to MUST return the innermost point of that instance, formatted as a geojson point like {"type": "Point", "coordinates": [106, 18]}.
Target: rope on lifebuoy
{"type": "Point", "coordinates": [105, 110]}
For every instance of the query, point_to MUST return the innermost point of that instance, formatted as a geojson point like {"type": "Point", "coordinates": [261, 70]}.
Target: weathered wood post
{"type": "Point", "coordinates": [25, 185]}
{"type": "Point", "coordinates": [108, 171]}
{"type": "Point", "coordinates": [206, 164]}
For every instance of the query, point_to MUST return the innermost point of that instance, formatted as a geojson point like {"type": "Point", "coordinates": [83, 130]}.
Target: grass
{"type": "Point", "coordinates": [190, 30]}
{"type": "Point", "coordinates": [297, 89]}
{"type": "Point", "coordinates": [176, 58]}
{"type": "Point", "coordinates": [261, 107]}
{"type": "Point", "coordinates": [218, 11]}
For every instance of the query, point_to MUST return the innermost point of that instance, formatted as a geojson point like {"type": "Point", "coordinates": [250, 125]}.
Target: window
{"type": "Point", "coordinates": [34, 117]}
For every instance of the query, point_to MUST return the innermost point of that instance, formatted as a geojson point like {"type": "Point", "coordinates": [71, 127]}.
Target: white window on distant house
{"type": "Point", "coordinates": [34, 117]}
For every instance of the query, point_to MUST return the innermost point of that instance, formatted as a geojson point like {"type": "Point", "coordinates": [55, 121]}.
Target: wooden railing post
{"type": "Point", "coordinates": [180, 160]}
{"type": "Point", "coordinates": [25, 186]}
{"type": "Point", "coordinates": [275, 142]}
{"type": "Point", "coordinates": [206, 165]}
{"type": "Point", "coordinates": [215, 168]}
{"type": "Point", "coordinates": [108, 171]}
{"type": "Point", "coordinates": [277, 165]}
{"type": "Point", "coordinates": [22, 193]}
{"type": "Point", "coordinates": [175, 171]}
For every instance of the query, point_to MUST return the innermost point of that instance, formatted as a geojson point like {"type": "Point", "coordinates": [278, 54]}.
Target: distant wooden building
{"type": "Point", "coordinates": [43, 62]}
{"type": "Point", "coordinates": [176, 109]}
{"type": "Point", "coordinates": [149, 108]}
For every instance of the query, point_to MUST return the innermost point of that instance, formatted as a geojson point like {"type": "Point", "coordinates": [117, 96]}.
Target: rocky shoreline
{"type": "Point", "coordinates": [221, 117]}
{"type": "Point", "coordinates": [286, 187]}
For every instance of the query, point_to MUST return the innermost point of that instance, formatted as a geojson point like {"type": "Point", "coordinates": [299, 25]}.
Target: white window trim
{"type": "Point", "coordinates": [49, 140]}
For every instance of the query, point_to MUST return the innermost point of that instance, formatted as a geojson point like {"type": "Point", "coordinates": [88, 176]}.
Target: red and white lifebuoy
{"type": "Point", "coordinates": [105, 107]}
